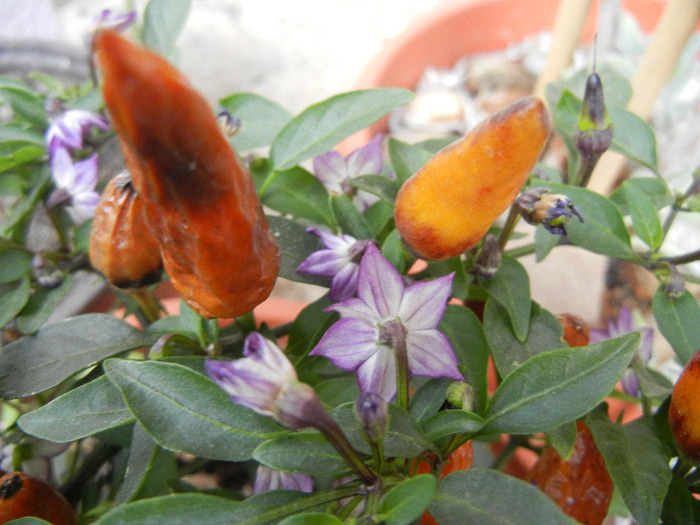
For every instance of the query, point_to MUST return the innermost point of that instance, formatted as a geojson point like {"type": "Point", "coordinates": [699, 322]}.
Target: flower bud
{"type": "Point", "coordinates": [489, 257]}
{"type": "Point", "coordinates": [122, 246]}
{"type": "Point", "coordinates": [594, 134]}
{"type": "Point", "coordinates": [372, 413]}
{"type": "Point", "coordinates": [461, 395]}
{"type": "Point", "coordinates": [552, 210]}
{"type": "Point", "coordinates": [673, 283]}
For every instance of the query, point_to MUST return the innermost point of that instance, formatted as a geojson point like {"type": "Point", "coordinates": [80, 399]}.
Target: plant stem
{"type": "Point", "coordinates": [508, 228]}
{"type": "Point", "coordinates": [402, 371]}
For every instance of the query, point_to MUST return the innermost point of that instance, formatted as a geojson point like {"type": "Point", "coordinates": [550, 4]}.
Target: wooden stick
{"type": "Point", "coordinates": [566, 36]}
{"type": "Point", "coordinates": [672, 32]}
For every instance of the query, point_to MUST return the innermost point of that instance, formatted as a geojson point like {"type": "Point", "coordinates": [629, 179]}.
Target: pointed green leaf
{"type": "Point", "coordinates": [489, 497]}
{"type": "Point", "coordinates": [379, 185]}
{"type": "Point", "coordinates": [653, 188]}
{"type": "Point", "coordinates": [637, 462]}
{"type": "Point", "coordinates": [299, 194]}
{"type": "Point", "coordinates": [261, 119]}
{"type": "Point", "coordinates": [555, 387]}
{"type": "Point", "coordinates": [349, 218]}
{"type": "Point", "coordinates": [142, 453]}
{"type": "Point", "coordinates": [406, 501]}
{"type": "Point", "coordinates": [13, 297]}
{"type": "Point", "coordinates": [162, 22]}
{"type": "Point", "coordinates": [647, 224]}
{"type": "Point", "coordinates": [406, 159]}
{"type": "Point", "coordinates": [677, 320]}
{"type": "Point", "coordinates": [20, 156]}
{"type": "Point", "coordinates": [331, 121]}
{"type": "Point", "coordinates": [312, 518]}
{"type": "Point", "coordinates": [633, 137]}
{"type": "Point", "coordinates": [38, 362]}
{"type": "Point", "coordinates": [448, 422]}
{"type": "Point", "coordinates": [186, 412]}
{"type": "Point", "coordinates": [544, 333]}
{"type": "Point", "coordinates": [41, 305]}
{"type": "Point", "coordinates": [511, 288]}
{"type": "Point", "coordinates": [429, 398]}
{"type": "Point", "coordinates": [301, 452]}
{"type": "Point", "coordinates": [84, 411]}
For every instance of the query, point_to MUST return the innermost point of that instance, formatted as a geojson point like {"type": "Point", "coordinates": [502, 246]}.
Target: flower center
{"type": "Point", "coordinates": [392, 334]}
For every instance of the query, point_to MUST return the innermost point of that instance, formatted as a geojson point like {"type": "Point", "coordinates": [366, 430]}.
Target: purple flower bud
{"type": "Point", "coordinates": [594, 133]}
{"type": "Point", "coordinates": [372, 413]}
{"type": "Point", "coordinates": [267, 478]}
{"type": "Point", "coordinates": [488, 260]}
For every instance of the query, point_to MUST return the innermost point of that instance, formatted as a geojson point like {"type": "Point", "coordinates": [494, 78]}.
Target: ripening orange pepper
{"type": "Point", "coordinates": [684, 410]}
{"type": "Point", "coordinates": [200, 201]}
{"type": "Point", "coordinates": [576, 330]}
{"type": "Point", "coordinates": [581, 486]}
{"type": "Point", "coordinates": [446, 207]}
{"type": "Point", "coordinates": [122, 245]}
{"type": "Point", "coordinates": [23, 496]}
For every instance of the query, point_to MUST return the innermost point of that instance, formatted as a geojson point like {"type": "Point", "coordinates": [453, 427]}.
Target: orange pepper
{"type": "Point", "coordinates": [200, 201]}
{"type": "Point", "coordinates": [446, 207]}
{"type": "Point", "coordinates": [581, 486]}
{"type": "Point", "coordinates": [576, 330]}
{"type": "Point", "coordinates": [684, 410]}
{"type": "Point", "coordinates": [23, 496]}
{"type": "Point", "coordinates": [122, 245]}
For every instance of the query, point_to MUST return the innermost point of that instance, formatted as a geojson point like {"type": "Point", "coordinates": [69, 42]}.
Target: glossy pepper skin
{"type": "Point", "coordinates": [200, 201]}
{"type": "Point", "coordinates": [445, 208]}
{"type": "Point", "coordinates": [581, 486]}
{"type": "Point", "coordinates": [23, 496]}
{"type": "Point", "coordinates": [122, 245]}
{"type": "Point", "coordinates": [684, 410]}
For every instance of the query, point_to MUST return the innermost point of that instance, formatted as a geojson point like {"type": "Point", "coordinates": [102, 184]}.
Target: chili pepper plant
{"type": "Point", "coordinates": [405, 391]}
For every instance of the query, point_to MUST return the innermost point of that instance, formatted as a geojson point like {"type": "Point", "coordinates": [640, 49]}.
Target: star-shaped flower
{"type": "Point", "coordinates": [107, 19]}
{"type": "Point", "coordinates": [387, 317]}
{"type": "Point", "coordinates": [334, 171]}
{"type": "Point", "coordinates": [339, 260]}
{"type": "Point", "coordinates": [75, 185]}
{"type": "Point", "coordinates": [624, 324]}
{"type": "Point", "coordinates": [69, 129]}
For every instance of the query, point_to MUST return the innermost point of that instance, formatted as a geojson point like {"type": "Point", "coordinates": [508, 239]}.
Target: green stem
{"type": "Point", "coordinates": [402, 372]}
{"type": "Point", "coordinates": [585, 170]}
{"type": "Point", "coordinates": [378, 455]}
{"type": "Point", "coordinates": [682, 259]}
{"type": "Point", "coordinates": [506, 453]}
{"type": "Point", "coordinates": [508, 228]}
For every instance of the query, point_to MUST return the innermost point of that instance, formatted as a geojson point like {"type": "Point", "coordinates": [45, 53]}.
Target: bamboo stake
{"type": "Point", "coordinates": [566, 35]}
{"type": "Point", "coordinates": [672, 32]}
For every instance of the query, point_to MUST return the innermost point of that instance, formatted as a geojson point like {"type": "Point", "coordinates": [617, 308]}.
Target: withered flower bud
{"type": "Point", "coordinates": [371, 411]}
{"type": "Point", "coordinates": [228, 125]}
{"type": "Point", "coordinates": [488, 259]}
{"type": "Point", "coordinates": [594, 133]}
{"type": "Point", "coordinates": [552, 210]}
{"type": "Point", "coordinates": [122, 246]}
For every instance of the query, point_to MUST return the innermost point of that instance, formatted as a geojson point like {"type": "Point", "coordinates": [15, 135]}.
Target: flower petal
{"type": "Point", "coordinates": [366, 160]}
{"type": "Point", "coordinates": [424, 303]}
{"type": "Point", "coordinates": [246, 382]}
{"type": "Point", "coordinates": [347, 343]}
{"type": "Point", "coordinates": [85, 175]}
{"type": "Point", "coordinates": [62, 169]}
{"type": "Point", "coordinates": [265, 352]}
{"type": "Point", "coordinates": [378, 374]}
{"type": "Point", "coordinates": [323, 262]}
{"type": "Point", "coordinates": [344, 284]}
{"type": "Point", "coordinates": [379, 284]}
{"type": "Point", "coordinates": [331, 170]}
{"type": "Point", "coordinates": [430, 354]}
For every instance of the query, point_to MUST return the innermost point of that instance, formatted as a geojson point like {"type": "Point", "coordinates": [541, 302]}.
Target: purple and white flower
{"type": "Point", "coordinates": [387, 316]}
{"type": "Point", "coordinates": [267, 478]}
{"type": "Point", "coordinates": [68, 130]}
{"type": "Point", "coordinates": [625, 324]}
{"type": "Point", "coordinates": [334, 171]}
{"type": "Point", "coordinates": [339, 260]}
{"type": "Point", "coordinates": [107, 19]}
{"type": "Point", "coordinates": [75, 185]}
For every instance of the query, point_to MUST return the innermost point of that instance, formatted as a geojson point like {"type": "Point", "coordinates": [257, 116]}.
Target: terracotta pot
{"type": "Point", "coordinates": [460, 28]}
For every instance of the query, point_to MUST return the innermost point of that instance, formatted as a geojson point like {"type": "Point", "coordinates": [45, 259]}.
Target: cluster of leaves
{"type": "Point", "coordinates": [89, 379]}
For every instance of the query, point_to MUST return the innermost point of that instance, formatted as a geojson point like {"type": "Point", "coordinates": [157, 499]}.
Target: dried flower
{"type": "Point", "coordinates": [335, 171]}
{"type": "Point", "coordinates": [551, 210]}
{"type": "Point", "coordinates": [339, 260]}
{"type": "Point", "coordinates": [267, 478]}
{"type": "Point", "coordinates": [387, 318]}
{"type": "Point", "coordinates": [75, 185]}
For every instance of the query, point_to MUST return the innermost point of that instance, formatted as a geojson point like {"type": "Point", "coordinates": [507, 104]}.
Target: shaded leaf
{"type": "Point", "coordinates": [406, 501]}
{"type": "Point", "coordinates": [261, 119]}
{"type": "Point", "coordinates": [645, 219]}
{"type": "Point", "coordinates": [296, 244]}
{"type": "Point", "coordinates": [349, 218]}
{"type": "Point", "coordinates": [379, 185]}
{"type": "Point", "coordinates": [301, 452]}
{"type": "Point", "coordinates": [13, 297]}
{"type": "Point", "coordinates": [406, 159]}
{"type": "Point", "coordinates": [298, 193]}
{"type": "Point", "coordinates": [511, 288]}
{"type": "Point", "coordinates": [41, 305]}
{"type": "Point", "coordinates": [448, 422]}
{"type": "Point", "coordinates": [677, 320]}
{"type": "Point", "coordinates": [162, 22]}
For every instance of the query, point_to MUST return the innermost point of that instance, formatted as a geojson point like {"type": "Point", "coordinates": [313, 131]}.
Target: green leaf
{"type": "Point", "coordinates": [175, 509]}
{"type": "Point", "coordinates": [28, 521]}
{"type": "Point", "coordinates": [261, 119]}
{"type": "Point", "coordinates": [41, 305]}
{"type": "Point", "coordinates": [338, 390]}
{"type": "Point", "coordinates": [379, 185]}
{"type": "Point", "coordinates": [20, 156]}
{"type": "Point", "coordinates": [296, 244]}
{"type": "Point", "coordinates": [331, 121]}
{"type": "Point", "coordinates": [199, 419]}
{"type": "Point", "coordinates": [489, 497]}
{"type": "Point", "coordinates": [13, 297]}
{"type": "Point", "coordinates": [309, 326]}
{"type": "Point", "coordinates": [395, 252]}
{"type": "Point", "coordinates": [647, 224]}
{"type": "Point", "coordinates": [301, 452]}
{"type": "Point", "coordinates": [406, 501]}
{"type": "Point", "coordinates": [38, 362]}
{"type": "Point", "coordinates": [26, 104]}
{"type": "Point", "coordinates": [14, 264]}
{"type": "Point", "coordinates": [312, 518]}
{"type": "Point", "coordinates": [406, 159]}
{"type": "Point", "coordinates": [544, 334]}
{"type": "Point", "coordinates": [563, 439]}
{"type": "Point", "coordinates": [677, 320]}
{"type": "Point", "coordinates": [603, 232]}
{"type": "Point", "coordinates": [555, 387]}
{"type": "Point", "coordinates": [461, 280]}
{"type": "Point", "coordinates": [404, 438]}
{"type": "Point", "coordinates": [13, 132]}
{"type": "Point", "coordinates": [637, 462]}
{"type": "Point", "coordinates": [466, 335]}
{"type": "Point", "coordinates": [448, 422]}
{"type": "Point", "coordinates": [84, 411]}
{"type": "Point", "coordinates": [162, 22]}
{"type": "Point", "coordinates": [428, 398]}
{"type": "Point", "coordinates": [298, 193]}
{"type": "Point", "coordinates": [679, 504]}
{"type": "Point", "coordinates": [633, 137]}
{"type": "Point", "coordinates": [511, 288]}
{"type": "Point", "coordinates": [142, 451]}
{"type": "Point", "coordinates": [654, 189]}
{"type": "Point", "coordinates": [349, 218]}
